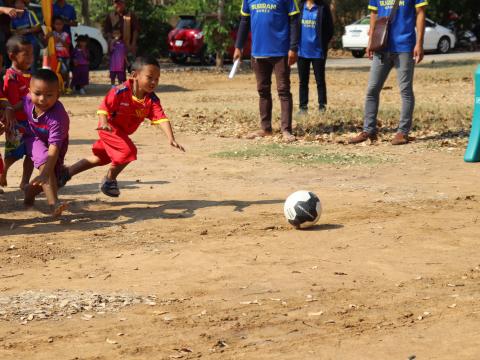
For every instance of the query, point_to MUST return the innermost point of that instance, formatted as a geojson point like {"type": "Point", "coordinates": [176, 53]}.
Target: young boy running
{"type": "Point", "coordinates": [16, 84]}
{"type": "Point", "coordinates": [47, 140]}
{"type": "Point", "coordinates": [122, 111]}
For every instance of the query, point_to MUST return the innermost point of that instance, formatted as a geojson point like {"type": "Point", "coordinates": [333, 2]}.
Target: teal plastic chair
{"type": "Point", "coordinates": [472, 154]}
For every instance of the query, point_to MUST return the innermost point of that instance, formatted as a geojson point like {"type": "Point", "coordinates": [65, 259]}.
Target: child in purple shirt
{"type": "Point", "coordinates": [80, 64]}
{"type": "Point", "coordinates": [47, 139]}
{"type": "Point", "coordinates": [118, 59]}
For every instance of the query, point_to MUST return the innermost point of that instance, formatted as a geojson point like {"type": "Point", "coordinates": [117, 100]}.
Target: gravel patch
{"type": "Point", "coordinates": [39, 305]}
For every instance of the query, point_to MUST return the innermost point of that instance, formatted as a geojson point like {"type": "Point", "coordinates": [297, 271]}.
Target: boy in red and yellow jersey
{"type": "Point", "coordinates": [16, 86]}
{"type": "Point", "coordinates": [122, 111]}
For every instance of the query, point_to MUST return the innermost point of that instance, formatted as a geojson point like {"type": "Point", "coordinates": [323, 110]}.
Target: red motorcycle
{"type": "Point", "coordinates": [186, 41]}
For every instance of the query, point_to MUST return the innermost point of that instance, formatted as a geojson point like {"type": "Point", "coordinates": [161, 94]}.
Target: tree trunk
{"type": "Point", "coordinates": [86, 12]}
{"type": "Point", "coordinates": [333, 7]}
{"type": "Point", "coordinates": [221, 21]}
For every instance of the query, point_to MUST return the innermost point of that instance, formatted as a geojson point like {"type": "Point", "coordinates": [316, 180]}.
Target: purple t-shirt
{"type": "Point", "coordinates": [51, 127]}
{"type": "Point", "coordinates": [117, 57]}
{"type": "Point", "coordinates": [80, 56]}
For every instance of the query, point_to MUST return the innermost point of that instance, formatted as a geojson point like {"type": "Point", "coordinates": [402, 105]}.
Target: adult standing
{"type": "Point", "coordinates": [316, 31]}
{"type": "Point", "coordinates": [274, 25]}
{"type": "Point", "coordinates": [67, 13]}
{"type": "Point", "coordinates": [126, 22]}
{"type": "Point", "coordinates": [404, 50]}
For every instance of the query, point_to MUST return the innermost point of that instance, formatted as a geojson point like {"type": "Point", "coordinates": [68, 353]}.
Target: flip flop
{"type": "Point", "coordinates": [110, 188]}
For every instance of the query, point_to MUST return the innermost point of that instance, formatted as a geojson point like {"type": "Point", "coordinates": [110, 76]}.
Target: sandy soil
{"type": "Point", "coordinates": [391, 271]}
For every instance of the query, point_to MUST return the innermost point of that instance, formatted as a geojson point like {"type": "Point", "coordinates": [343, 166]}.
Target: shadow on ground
{"type": "Point", "coordinates": [324, 227]}
{"type": "Point", "coordinates": [82, 218]}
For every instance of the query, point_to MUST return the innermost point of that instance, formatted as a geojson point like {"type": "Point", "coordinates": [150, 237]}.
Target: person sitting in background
{"type": "Point", "coordinates": [80, 71]}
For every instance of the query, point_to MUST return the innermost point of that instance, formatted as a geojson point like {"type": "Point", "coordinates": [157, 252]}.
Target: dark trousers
{"type": "Point", "coordinates": [263, 68]}
{"type": "Point", "coordinates": [304, 75]}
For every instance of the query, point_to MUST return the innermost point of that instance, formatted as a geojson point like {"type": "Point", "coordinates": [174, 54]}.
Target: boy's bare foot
{"type": "Point", "coordinates": [29, 198]}
{"type": "Point", "coordinates": [58, 208]}
{"type": "Point", "coordinates": [3, 179]}
{"type": "Point", "coordinates": [258, 134]}
{"type": "Point", "coordinates": [22, 186]}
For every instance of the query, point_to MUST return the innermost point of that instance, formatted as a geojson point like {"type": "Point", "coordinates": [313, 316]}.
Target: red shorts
{"type": "Point", "coordinates": [114, 147]}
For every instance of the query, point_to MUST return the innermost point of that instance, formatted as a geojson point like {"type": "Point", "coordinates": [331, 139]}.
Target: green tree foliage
{"type": "Point", "coordinates": [467, 9]}
{"type": "Point", "coordinates": [153, 18]}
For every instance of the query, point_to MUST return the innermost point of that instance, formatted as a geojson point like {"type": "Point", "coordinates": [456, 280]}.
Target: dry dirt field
{"type": "Point", "coordinates": [195, 259]}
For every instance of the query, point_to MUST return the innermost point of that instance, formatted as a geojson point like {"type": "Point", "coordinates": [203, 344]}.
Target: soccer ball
{"type": "Point", "coordinates": [302, 209]}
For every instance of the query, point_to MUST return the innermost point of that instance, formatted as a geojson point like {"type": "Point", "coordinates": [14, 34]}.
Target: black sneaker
{"type": "Point", "coordinates": [110, 188]}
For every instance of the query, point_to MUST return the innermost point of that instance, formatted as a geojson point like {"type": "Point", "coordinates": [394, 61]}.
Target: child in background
{"type": "Point", "coordinates": [28, 25]}
{"type": "Point", "coordinates": [122, 111]}
{"type": "Point", "coordinates": [15, 87]}
{"type": "Point", "coordinates": [80, 65]}
{"type": "Point", "coordinates": [6, 120]}
{"type": "Point", "coordinates": [47, 142]}
{"type": "Point", "coordinates": [118, 58]}
{"type": "Point", "coordinates": [62, 50]}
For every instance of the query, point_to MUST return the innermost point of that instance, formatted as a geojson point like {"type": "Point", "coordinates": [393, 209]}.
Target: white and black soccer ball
{"type": "Point", "coordinates": [302, 209]}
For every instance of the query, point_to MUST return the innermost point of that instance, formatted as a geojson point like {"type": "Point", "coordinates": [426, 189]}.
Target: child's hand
{"type": "Point", "coordinates": [40, 180]}
{"type": "Point", "coordinates": [176, 145]}
{"type": "Point", "coordinates": [48, 35]}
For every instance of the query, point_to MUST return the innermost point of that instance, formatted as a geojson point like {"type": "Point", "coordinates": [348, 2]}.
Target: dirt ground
{"type": "Point", "coordinates": [392, 270]}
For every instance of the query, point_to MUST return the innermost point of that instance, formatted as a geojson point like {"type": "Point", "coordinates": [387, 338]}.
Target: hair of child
{"type": "Point", "coordinates": [82, 38]}
{"type": "Point", "coordinates": [140, 62]}
{"type": "Point", "coordinates": [56, 17]}
{"type": "Point", "coordinates": [15, 43]}
{"type": "Point", "coordinates": [46, 75]}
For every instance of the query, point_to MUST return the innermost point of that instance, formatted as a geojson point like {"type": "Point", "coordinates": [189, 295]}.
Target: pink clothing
{"type": "Point", "coordinates": [62, 50]}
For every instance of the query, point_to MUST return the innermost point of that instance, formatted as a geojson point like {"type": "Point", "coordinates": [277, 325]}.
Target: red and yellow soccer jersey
{"type": "Point", "coordinates": [125, 112]}
{"type": "Point", "coordinates": [15, 86]}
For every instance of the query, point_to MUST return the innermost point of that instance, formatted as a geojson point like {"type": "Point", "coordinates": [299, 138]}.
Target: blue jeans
{"type": "Point", "coordinates": [382, 64]}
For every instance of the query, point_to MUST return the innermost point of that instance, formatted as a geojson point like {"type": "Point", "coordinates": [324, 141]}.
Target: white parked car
{"type": "Point", "coordinates": [437, 37]}
{"type": "Point", "coordinates": [97, 44]}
